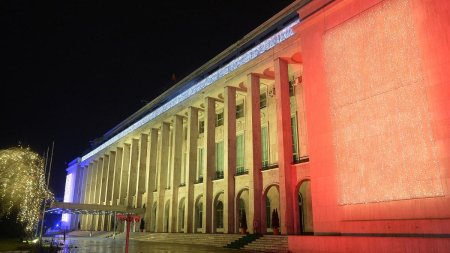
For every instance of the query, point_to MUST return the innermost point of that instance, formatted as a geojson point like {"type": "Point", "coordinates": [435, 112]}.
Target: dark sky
{"type": "Point", "coordinates": [72, 70]}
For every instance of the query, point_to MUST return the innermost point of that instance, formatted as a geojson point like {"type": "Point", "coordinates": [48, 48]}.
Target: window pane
{"type": "Point", "coordinates": [219, 156]}
{"type": "Point", "coordinates": [201, 127]}
{"type": "Point", "coordinates": [219, 119]}
{"type": "Point", "coordinates": [200, 163]}
{"type": "Point", "coordinates": [240, 153]}
{"type": "Point", "coordinates": [265, 146]}
{"type": "Point", "coordinates": [239, 111]}
{"type": "Point", "coordinates": [294, 138]}
{"type": "Point", "coordinates": [262, 100]}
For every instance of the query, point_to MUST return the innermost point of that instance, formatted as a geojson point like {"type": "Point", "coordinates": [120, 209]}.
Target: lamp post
{"type": "Point", "coordinates": [128, 218]}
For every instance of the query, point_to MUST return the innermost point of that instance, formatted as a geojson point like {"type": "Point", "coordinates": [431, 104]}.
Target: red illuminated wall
{"type": "Point", "coordinates": [381, 128]}
{"type": "Point", "coordinates": [377, 96]}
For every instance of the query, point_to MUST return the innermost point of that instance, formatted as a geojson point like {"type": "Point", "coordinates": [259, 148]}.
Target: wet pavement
{"type": "Point", "coordinates": [109, 245]}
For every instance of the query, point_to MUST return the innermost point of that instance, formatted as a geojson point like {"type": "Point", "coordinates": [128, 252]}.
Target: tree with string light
{"type": "Point", "coordinates": [22, 186]}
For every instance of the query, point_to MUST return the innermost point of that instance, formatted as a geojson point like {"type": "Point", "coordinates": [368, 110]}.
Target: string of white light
{"type": "Point", "coordinates": [262, 47]}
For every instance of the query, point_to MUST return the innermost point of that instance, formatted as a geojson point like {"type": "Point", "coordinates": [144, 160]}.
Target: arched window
{"type": "Point", "coordinates": [219, 215]}
{"type": "Point", "coordinates": [200, 215]}
{"type": "Point", "coordinates": [181, 215]}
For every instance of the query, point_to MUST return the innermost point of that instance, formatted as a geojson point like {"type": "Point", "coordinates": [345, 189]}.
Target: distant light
{"type": "Point", "coordinates": [68, 194]}
{"type": "Point", "coordinates": [261, 48]}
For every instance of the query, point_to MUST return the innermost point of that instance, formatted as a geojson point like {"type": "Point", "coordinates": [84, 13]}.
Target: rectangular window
{"type": "Point", "coordinates": [219, 159]}
{"type": "Point", "coordinates": [219, 119]}
{"type": "Point", "coordinates": [201, 127]}
{"type": "Point", "coordinates": [295, 153]}
{"type": "Point", "coordinates": [200, 164]}
{"type": "Point", "coordinates": [240, 154]}
{"type": "Point", "coordinates": [262, 100]}
{"type": "Point", "coordinates": [240, 111]}
{"type": "Point", "coordinates": [183, 174]}
{"type": "Point", "coordinates": [265, 146]}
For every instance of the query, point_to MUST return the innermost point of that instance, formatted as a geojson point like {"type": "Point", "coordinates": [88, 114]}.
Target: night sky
{"type": "Point", "coordinates": [72, 70]}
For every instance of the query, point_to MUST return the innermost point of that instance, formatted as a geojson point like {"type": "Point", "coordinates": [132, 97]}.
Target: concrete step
{"type": "Point", "coordinates": [269, 243]}
{"type": "Point", "coordinates": [218, 240]}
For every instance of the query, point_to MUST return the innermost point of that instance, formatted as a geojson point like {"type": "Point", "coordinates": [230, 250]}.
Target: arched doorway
{"type": "Point", "coordinates": [218, 213]}
{"type": "Point", "coordinates": [305, 212]}
{"type": "Point", "coordinates": [242, 202]}
{"type": "Point", "coordinates": [219, 217]}
{"type": "Point", "coordinates": [272, 202]}
{"type": "Point", "coordinates": [153, 218]}
{"type": "Point", "coordinates": [198, 215]}
{"type": "Point", "coordinates": [181, 215]}
{"type": "Point", "coordinates": [166, 216]}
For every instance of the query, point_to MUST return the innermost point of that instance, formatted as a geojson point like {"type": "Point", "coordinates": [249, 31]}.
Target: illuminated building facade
{"type": "Point", "coordinates": [335, 113]}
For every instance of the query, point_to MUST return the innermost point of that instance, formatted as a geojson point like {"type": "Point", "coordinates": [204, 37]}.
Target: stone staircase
{"type": "Point", "coordinates": [269, 243]}
{"type": "Point", "coordinates": [244, 240]}
{"type": "Point", "coordinates": [263, 243]}
{"type": "Point", "coordinates": [215, 240]}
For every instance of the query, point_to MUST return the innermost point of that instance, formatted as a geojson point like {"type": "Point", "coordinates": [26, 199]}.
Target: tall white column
{"type": "Point", "coordinates": [104, 183]}
{"type": "Point", "coordinates": [229, 137]}
{"type": "Point", "coordinates": [284, 132]}
{"type": "Point", "coordinates": [191, 160]}
{"type": "Point", "coordinates": [98, 190]}
{"type": "Point", "coordinates": [97, 183]}
{"type": "Point", "coordinates": [84, 172]}
{"type": "Point", "coordinates": [92, 182]}
{"type": "Point", "coordinates": [117, 174]}
{"type": "Point", "coordinates": [151, 186]}
{"type": "Point", "coordinates": [85, 195]}
{"type": "Point", "coordinates": [140, 189]}
{"type": "Point", "coordinates": [110, 177]}
{"type": "Point", "coordinates": [177, 148]}
{"type": "Point", "coordinates": [109, 185]}
{"type": "Point", "coordinates": [253, 149]}
{"type": "Point", "coordinates": [210, 154]}
{"type": "Point", "coordinates": [124, 175]}
{"type": "Point", "coordinates": [162, 174]}
{"type": "Point", "coordinates": [104, 180]}
{"type": "Point", "coordinates": [132, 180]}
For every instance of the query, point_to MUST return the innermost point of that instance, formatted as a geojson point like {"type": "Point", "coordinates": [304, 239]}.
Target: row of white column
{"type": "Point", "coordinates": [130, 174]}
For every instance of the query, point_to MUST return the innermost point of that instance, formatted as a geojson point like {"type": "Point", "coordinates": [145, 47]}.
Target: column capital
{"type": "Point", "coordinates": [196, 108]}
{"type": "Point", "coordinates": [261, 76]}
{"type": "Point", "coordinates": [281, 59]}
{"type": "Point", "coordinates": [214, 99]}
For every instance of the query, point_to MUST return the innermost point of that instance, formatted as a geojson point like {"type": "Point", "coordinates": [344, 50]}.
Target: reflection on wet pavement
{"type": "Point", "coordinates": [109, 245]}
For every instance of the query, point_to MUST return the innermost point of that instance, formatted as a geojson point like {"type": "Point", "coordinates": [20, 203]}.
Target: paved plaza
{"type": "Point", "coordinates": [109, 245]}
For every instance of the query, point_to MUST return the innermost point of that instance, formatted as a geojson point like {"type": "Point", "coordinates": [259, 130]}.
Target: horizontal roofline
{"type": "Point", "coordinates": [278, 22]}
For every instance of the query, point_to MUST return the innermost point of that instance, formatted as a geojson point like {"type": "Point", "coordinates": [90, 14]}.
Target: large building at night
{"type": "Point", "coordinates": [334, 113]}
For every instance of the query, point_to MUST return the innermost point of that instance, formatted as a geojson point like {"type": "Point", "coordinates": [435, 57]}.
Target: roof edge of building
{"type": "Point", "coordinates": [276, 22]}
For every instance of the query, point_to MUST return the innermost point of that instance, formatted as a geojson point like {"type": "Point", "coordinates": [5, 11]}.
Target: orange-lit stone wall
{"type": "Point", "coordinates": [382, 136]}
{"type": "Point", "coordinates": [377, 98]}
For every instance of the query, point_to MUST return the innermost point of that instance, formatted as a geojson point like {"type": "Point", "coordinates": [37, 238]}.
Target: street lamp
{"type": "Point", "coordinates": [128, 218]}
